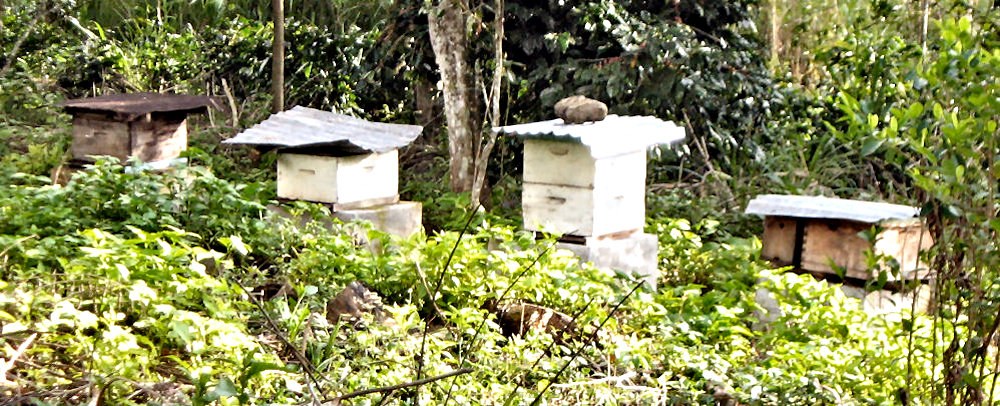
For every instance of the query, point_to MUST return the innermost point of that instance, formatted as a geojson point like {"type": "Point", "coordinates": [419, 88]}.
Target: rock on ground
{"type": "Point", "coordinates": [352, 303]}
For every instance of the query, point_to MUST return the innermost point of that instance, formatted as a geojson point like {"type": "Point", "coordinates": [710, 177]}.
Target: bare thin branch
{"type": "Point", "coordinates": [390, 388]}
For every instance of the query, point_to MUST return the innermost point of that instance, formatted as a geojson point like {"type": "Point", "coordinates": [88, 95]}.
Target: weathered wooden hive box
{"type": "Point", "coordinates": [332, 158]}
{"type": "Point", "coordinates": [151, 127]}
{"type": "Point", "coordinates": [588, 179]}
{"type": "Point", "coordinates": [821, 235]}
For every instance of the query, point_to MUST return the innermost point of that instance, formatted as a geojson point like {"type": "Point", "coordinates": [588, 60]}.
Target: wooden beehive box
{"type": "Point", "coordinates": [366, 179]}
{"type": "Point", "coordinates": [588, 179]}
{"type": "Point", "coordinates": [822, 235]}
{"type": "Point", "coordinates": [148, 126]}
{"type": "Point", "coordinates": [332, 158]}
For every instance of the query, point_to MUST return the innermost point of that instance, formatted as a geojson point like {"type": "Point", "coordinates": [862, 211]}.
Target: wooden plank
{"type": "Point", "coordinates": [558, 163]}
{"type": "Point", "coordinates": [837, 241]}
{"type": "Point", "coordinates": [561, 209]}
{"type": "Point", "coordinates": [582, 211]}
{"type": "Point", "coordinates": [368, 176]}
{"type": "Point", "coordinates": [904, 241]}
{"type": "Point", "coordinates": [779, 240]}
{"type": "Point", "coordinates": [158, 137]}
{"type": "Point", "coordinates": [95, 134]}
{"type": "Point", "coordinates": [307, 177]}
{"type": "Point", "coordinates": [570, 164]}
{"type": "Point", "coordinates": [620, 202]}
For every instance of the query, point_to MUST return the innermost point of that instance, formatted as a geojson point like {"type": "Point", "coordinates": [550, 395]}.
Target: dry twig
{"type": "Point", "coordinates": [9, 364]}
{"type": "Point", "coordinates": [390, 388]}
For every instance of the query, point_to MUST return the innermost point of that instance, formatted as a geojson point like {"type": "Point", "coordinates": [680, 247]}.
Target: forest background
{"type": "Point", "coordinates": [113, 292]}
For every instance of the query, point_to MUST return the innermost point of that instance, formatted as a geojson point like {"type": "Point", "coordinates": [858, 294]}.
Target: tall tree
{"type": "Point", "coordinates": [446, 20]}
{"type": "Point", "coordinates": [469, 141]}
{"type": "Point", "coordinates": [278, 58]}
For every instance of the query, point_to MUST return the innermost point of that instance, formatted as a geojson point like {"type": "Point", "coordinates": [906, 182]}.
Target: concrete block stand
{"type": "Point", "coordinates": [877, 302]}
{"type": "Point", "coordinates": [400, 219]}
{"type": "Point", "coordinates": [886, 301]}
{"type": "Point", "coordinates": [635, 254]}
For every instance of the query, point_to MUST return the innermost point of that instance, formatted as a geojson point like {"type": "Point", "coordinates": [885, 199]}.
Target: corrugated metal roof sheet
{"type": "Point", "coordinates": [133, 105]}
{"type": "Point", "coordinates": [306, 127]}
{"type": "Point", "coordinates": [612, 136]}
{"type": "Point", "coordinates": [826, 207]}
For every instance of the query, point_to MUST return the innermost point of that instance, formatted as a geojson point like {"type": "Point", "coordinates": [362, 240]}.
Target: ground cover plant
{"type": "Point", "coordinates": [186, 287]}
{"type": "Point", "coordinates": [136, 310]}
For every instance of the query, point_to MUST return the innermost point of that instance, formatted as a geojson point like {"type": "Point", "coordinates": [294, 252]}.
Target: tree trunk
{"type": "Point", "coordinates": [483, 151]}
{"type": "Point", "coordinates": [925, 9]}
{"type": "Point", "coordinates": [446, 21]}
{"type": "Point", "coordinates": [278, 58]}
{"type": "Point", "coordinates": [775, 35]}
{"type": "Point", "coordinates": [423, 95]}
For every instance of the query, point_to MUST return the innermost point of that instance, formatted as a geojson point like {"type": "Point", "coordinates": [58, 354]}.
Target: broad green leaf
{"type": "Point", "coordinates": [225, 387]}
{"type": "Point", "coordinates": [871, 145]}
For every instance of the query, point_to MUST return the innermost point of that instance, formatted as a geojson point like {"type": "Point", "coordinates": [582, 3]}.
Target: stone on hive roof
{"type": "Point", "coordinates": [304, 127]}
{"type": "Point", "coordinates": [131, 106]}
{"type": "Point", "coordinates": [612, 136]}
{"type": "Point", "coordinates": [828, 208]}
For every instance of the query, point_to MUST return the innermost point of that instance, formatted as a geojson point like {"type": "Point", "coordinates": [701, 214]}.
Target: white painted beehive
{"type": "Point", "coordinates": [588, 179]}
{"type": "Point", "coordinates": [331, 158]}
{"type": "Point", "coordinates": [568, 191]}
{"type": "Point", "coordinates": [362, 179]}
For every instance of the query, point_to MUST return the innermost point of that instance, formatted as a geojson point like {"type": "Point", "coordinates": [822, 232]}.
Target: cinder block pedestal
{"type": "Point", "coordinates": [401, 219]}
{"type": "Point", "coordinates": [886, 301]}
{"type": "Point", "coordinates": [635, 254]}
{"type": "Point", "coordinates": [876, 302]}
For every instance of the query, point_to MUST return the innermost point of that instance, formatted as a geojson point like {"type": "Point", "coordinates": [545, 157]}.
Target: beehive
{"type": "Point", "coordinates": [351, 180]}
{"type": "Point", "coordinates": [569, 191]}
{"type": "Point", "coordinates": [332, 158]}
{"type": "Point", "coordinates": [148, 126]}
{"type": "Point", "coordinates": [588, 179]}
{"type": "Point", "coordinates": [822, 235]}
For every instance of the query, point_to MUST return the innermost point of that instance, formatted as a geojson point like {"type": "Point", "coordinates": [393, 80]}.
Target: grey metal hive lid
{"type": "Point", "coordinates": [302, 127]}
{"type": "Point", "coordinates": [612, 136]}
{"type": "Point", "coordinates": [829, 208]}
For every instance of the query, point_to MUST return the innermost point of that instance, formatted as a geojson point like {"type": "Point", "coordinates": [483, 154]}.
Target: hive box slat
{"type": "Point", "coordinates": [338, 179]}
{"type": "Point", "coordinates": [160, 139]}
{"type": "Point", "coordinates": [583, 211]}
{"type": "Point", "coordinates": [96, 134]}
{"type": "Point", "coordinates": [779, 239]}
{"type": "Point", "coordinates": [835, 241]}
{"type": "Point", "coordinates": [558, 163]}
{"type": "Point", "coordinates": [570, 164]}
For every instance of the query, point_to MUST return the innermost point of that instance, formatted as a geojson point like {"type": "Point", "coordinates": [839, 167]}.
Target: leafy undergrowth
{"type": "Point", "coordinates": [127, 288]}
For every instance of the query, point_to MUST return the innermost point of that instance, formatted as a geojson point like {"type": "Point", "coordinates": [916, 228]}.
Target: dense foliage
{"type": "Point", "coordinates": [188, 287]}
{"type": "Point", "coordinates": [136, 310]}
